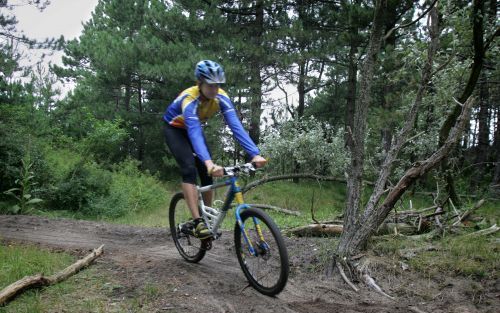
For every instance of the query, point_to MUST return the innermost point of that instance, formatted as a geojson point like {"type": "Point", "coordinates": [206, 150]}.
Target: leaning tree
{"type": "Point", "coordinates": [360, 223]}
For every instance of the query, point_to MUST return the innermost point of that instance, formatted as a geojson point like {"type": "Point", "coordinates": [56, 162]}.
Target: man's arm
{"type": "Point", "coordinates": [194, 130]}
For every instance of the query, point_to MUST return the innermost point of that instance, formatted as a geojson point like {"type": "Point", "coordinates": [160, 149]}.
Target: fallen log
{"type": "Point", "coordinates": [485, 232]}
{"type": "Point", "coordinates": [39, 280]}
{"type": "Point", "coordinates": [329, 230]}
{"type": "Point", "coordinates": [275, 208]}
{"type": "Point", "coordinates": [316, 230]}
{"type": "Point", "coordinates": [468, 213]}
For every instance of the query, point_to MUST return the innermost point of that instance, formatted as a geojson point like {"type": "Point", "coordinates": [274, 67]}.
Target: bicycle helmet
{"type": "Point", "coordinates": [209, 72]}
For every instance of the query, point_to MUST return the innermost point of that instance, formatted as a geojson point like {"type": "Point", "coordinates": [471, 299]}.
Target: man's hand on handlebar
{"type": "Point", "coordinates": [258, 161]}
{"type": "Point", "coordinates": [214, 169]}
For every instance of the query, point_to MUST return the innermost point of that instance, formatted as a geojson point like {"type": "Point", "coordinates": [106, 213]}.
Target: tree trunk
{"type": "Point", "coordinates": [256, 89]}
{"type": "Point", "coordinates": [301, 88]}
{"type": "Point", "coordinates": [141, 141]}
{"type": "Point", "coordinates": [483, 141]}
{"type": "Point", "coordinates": [478, 33]}
{"type": "Point", "coordinates": [495, 183]}
{"type": "Point", "coordinates": [358, 231]}
{"type": "Point", "coordinates": [370, 222]}
{"type": "Point", "coordinates": [357, 148]}
{"type": "Point", "coordinates": [351, 81]}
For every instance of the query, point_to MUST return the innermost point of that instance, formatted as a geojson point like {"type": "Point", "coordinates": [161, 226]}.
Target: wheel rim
{"type": "Point", "coordinates": [265, 268]}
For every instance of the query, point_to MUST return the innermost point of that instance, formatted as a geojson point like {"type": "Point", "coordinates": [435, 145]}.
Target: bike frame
{"type": "Point", "coordinates": [214, 217]}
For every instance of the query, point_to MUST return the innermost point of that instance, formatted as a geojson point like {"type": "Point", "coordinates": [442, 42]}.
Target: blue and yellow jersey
{"type": "Point", "coordinates": [188, 111]}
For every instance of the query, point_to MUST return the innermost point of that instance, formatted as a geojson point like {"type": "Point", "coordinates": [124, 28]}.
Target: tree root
{"type": "Point", "coordinates": [372, 284]}
{"type": "Point", "coordinates": [361, 271]}
{"type": "Point", "coordinates": [347, 280]}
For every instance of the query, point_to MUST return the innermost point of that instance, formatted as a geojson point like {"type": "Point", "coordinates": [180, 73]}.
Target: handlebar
{"type": "Point", "coordinates": [246, 168]}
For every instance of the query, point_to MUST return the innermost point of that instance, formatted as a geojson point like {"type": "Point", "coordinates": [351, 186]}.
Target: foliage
{"type": "Point", "coordinates": [104, 141]}
{"type": "Point", "coordinates": [130, 191]}
{"type": "Point", "coordinates": [23, 193]}
{"type": "Point", "coordinates": [134, 57]}
{"type": "Point", "coordinates": [316, 147]}
{"type": "Point", "coordinates": [88, 189]}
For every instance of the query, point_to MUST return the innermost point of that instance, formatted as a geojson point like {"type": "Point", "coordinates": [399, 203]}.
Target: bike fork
{"type": "Point", "coordinates": [244, 232]}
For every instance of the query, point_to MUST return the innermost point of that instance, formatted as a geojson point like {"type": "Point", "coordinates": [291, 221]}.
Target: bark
{"type": "Point", "coordinates": [39, 280]}
{"type": "Point", "coordinates": [483, 119]}
{"type": "Point", "coordinates": [356, 143]}
{"type": "Point", "coordinates": [402, 137]}
{"type": "Point", "coordinates": [301, 88]}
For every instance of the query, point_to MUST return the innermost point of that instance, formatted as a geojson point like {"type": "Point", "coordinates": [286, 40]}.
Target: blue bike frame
{"type": "Point", "coordinates": [214, 217]}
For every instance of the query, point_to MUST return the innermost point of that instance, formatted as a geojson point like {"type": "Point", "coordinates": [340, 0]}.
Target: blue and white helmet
{"type": "Point", "coordinates": [209, 72]}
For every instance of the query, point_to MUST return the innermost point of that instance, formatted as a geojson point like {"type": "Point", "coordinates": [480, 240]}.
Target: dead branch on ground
{"type": "Point", "coordinates": [275, 208]}
{"type": "Point", "coordinates": [39, 280]}
{"type": "Point", "coordinates": [485, 232]}
{"type": "Point", "coordinates": [316, 230]}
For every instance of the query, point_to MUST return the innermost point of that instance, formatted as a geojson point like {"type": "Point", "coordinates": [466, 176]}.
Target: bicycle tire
{"type": "Point", "coordinates": [190, 248]}
{"type": "Point", "coordinates": [277, 249]}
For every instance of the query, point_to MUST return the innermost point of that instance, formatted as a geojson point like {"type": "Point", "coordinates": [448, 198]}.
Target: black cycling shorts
{"type": "Point", "coordinates": [190, 165]}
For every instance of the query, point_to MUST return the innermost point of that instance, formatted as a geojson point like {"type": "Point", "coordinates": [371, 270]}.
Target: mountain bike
{"type": "Point", "coordinates": [259, 246]}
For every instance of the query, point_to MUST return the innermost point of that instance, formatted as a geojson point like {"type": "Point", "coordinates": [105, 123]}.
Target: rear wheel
{"type": "Point", "coordinates": [267, 269]}
{"type": "Point", "coordinates": [190, 248]}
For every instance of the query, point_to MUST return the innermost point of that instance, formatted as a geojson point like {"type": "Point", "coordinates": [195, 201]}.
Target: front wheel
{"type": "Point", "coordinates": [264, 258]}
{"type": "Point", "coordinates": [190, 248]}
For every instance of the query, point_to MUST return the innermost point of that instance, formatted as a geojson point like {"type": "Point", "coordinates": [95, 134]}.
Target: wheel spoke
{"type": "Point", "coordinates": [268, 270]}
{"type": "Point", "coordinates": [189, 247]}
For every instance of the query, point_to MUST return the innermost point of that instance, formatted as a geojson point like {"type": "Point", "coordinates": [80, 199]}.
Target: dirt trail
{"type": "Point", "coordinates": [216, 284]}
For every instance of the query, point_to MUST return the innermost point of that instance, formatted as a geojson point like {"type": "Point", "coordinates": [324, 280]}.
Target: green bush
{"type": "Point", "coordinates": [130, 191]}
{"type": "Point", "coordinates": [76, 191]}
{"type": "Point", "coordinates": [314, 147]}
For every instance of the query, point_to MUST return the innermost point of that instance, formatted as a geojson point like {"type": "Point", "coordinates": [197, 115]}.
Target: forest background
{"type": "Point", "coordinates": [98, 150]}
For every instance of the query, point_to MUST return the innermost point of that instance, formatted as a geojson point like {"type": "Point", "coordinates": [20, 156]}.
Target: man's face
{"type": "Point", "coordinates": [209, 90]}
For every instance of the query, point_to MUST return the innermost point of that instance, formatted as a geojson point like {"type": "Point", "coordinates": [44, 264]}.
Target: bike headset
{"type": "Point", "coordinates": [209, 72]}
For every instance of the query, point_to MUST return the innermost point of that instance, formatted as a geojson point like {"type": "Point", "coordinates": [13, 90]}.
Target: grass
{"type": "Point", "coordinates": [475, 257]}
{"type": "Point", "coordinates": [90, 290]}
{"type": "Point", "coordinates": [328, 203]}
{"type": "Point", "coordinates": [19, 261]}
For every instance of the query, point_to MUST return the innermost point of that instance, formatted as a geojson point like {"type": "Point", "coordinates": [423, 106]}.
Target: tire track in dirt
{"type": "Point", "coordinates": [216, 284]}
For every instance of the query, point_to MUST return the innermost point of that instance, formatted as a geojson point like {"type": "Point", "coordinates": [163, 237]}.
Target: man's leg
{"type": "Point", "coordinates": [191, 197]}
{"type": "Point", "coordinates": [208, 197]}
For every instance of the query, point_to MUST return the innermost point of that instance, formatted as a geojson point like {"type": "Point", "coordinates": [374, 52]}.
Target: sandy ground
{"type": "Point", "coordinates": [217, 283]}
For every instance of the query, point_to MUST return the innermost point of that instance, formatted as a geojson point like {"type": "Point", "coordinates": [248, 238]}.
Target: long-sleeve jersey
{"type": "Point", "coordinates": [188, 111]}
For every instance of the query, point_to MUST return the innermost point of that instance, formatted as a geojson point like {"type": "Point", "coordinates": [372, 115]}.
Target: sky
{"type": "Point", "coordinates": [61, 17]}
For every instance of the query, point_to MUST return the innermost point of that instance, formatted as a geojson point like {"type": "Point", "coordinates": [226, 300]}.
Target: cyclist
{"type": "Point", "coordinates": [186, 141]}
